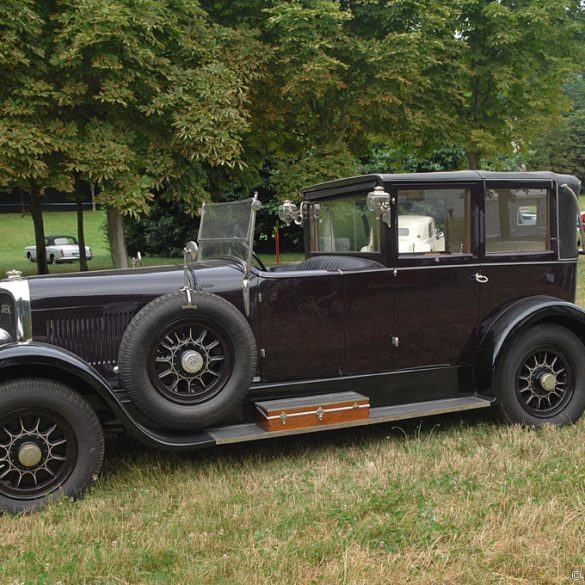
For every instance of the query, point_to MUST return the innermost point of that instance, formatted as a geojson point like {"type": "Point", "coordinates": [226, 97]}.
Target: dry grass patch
{"type": "Point", "coordinates": [463, 503]}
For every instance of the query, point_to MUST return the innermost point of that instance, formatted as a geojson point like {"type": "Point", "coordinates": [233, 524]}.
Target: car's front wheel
{"type": "Point", "coordinates": [51, 443]}
{"type": "Point", "coordinates": [540, 377]}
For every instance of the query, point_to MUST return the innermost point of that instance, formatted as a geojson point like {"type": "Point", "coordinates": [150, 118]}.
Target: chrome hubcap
{"type": "Point", "coordinates": [30, 455]}
{"type": "Point", "coordinates": [548, 382]}
{"type": "Point", "coordinates": [191, 361]}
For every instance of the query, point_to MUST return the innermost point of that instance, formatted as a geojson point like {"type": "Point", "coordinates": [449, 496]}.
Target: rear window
{"type": "Point", "coordinates": [517, 220]}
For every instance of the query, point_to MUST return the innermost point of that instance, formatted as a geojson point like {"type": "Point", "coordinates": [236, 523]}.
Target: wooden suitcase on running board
{"type": "Point", "coordinates": [312, 411]}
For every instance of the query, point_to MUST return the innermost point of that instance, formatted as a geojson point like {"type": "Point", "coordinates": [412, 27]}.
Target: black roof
{"type": "Point", "coordinates": [53, 238]}
{"type": "Point", "coordinates": [368, 182]}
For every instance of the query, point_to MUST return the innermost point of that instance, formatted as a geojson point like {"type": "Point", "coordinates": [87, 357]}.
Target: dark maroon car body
{"type": "Point", "coordinates": [401, 329]}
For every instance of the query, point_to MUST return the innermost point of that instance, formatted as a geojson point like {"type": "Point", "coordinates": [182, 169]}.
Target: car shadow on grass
{"type": "Point", "coordinates": [122, 452]}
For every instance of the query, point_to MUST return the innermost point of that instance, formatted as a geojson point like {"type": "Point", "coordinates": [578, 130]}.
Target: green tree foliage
{"type": "Point", "coordinates": [135, 96]}
{"type": "Point", "coordinates": [517, 56]}
{"type": "Point", "coordinates": [163, 232]}
{"type": "Point", "coordinates": [346, 74]}
{"type": "Point", "coordinates": [561, 146]}
{"type": "Point", "coordinates": [415, 75]}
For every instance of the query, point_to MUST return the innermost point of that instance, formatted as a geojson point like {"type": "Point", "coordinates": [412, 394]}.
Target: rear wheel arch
{"type": "Point", "coordinates": [512, 324]}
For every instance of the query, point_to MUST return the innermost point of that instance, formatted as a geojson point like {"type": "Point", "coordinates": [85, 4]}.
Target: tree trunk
{"type": "Point", "coordinates": [473, 160]}
{"type": "Point", "coordinates": [37, 216]}
{"type": "Point", "coordinates": [116, 238]}
{"type": "Point", "coordinates": [21, 200]}
{"type": "Point", "coordinates": [81, 235]}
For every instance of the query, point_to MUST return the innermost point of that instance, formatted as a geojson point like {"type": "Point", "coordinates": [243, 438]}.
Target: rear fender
{"type": "Point", "coordinates": [515, 319]}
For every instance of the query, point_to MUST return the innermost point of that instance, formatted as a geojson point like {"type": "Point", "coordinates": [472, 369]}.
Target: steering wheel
{"type": "Point", "coordinates": [258, 261]}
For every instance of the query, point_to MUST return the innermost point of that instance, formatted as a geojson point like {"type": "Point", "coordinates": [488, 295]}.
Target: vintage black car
{"type": "Point", "coordinates": [419, 294]}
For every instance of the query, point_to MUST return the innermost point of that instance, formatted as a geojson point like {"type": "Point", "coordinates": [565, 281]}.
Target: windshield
{"type": "Point", "coordinates": [226, 230]}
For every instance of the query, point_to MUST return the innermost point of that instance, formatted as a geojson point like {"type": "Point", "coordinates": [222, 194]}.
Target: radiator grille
{"type": "Point", "coordinates": [95, 339]}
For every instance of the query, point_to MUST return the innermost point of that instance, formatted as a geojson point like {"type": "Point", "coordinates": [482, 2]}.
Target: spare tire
{"type": "Point", "coordinates": [187, 365]}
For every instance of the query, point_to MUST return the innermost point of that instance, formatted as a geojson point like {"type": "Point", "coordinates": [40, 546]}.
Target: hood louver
{"type": "Point", "coordinates": [95, 339]}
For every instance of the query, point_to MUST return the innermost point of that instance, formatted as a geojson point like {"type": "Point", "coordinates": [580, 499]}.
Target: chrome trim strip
{"type": "Point", "coordinates": [252, 432]}
{"type": "Point", "coordinates": [19, 290]}
{"type": "Point", "coordinates": [528, 262]}
{"type": "Point", "coordinates": [484, 264]}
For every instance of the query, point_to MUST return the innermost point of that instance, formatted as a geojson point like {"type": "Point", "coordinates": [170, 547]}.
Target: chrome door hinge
{"type": "Point", "coordinates": [395, 341]}
{"type": "Point", "coordinates": [395, 272]}
{"type": "Point", "coordinates": [262, 353]}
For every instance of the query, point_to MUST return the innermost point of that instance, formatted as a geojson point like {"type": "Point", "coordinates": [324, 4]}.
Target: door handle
{"type": "Point", "coordinates": [480, 278]}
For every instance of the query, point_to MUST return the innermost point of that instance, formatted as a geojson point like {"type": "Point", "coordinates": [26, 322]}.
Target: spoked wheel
{"type": "Point", "coordinates": [190, 361]}
{"type": "Point", "coordinates": [544, 384]}
{"type": "Point", "coordinates": [541, 377]}
{"type": "Point", "coordinates": [188, 365]}
{"type": "Point", "coordinates": [38, 450]}
{"type": "Point", "coordinates": [51, 443]}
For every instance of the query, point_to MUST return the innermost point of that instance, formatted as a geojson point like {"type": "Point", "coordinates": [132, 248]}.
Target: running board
{"type": "Point", "coordinates": [381, 414]}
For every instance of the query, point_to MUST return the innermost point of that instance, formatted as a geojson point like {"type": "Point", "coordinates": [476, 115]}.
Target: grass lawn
{"type": "Point", "coordinates": [16, 232]}
{"type": "Point", "coordinates": [449, 500]}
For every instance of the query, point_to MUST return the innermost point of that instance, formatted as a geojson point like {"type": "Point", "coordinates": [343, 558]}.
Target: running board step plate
{"type": "Point", "coordinates": [381, 414]}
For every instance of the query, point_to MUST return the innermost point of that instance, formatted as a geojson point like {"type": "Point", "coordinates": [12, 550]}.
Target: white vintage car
{"type": "Point", "coordinates": [59, 249]}
{"type": "Point", "coordinates": [418, 233]}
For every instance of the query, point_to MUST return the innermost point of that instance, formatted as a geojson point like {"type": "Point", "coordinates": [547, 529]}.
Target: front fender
{"type": "Point", "coordinates": [20, 359]}
{"type": "Point", "coordinates": [516, 318]}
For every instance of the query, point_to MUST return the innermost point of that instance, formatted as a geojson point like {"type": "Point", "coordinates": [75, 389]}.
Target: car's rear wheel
{"type": "Point", "coordinates": [51, 443]}
{"type": "Point", "coordinates": [53, 259]}
{"type": "Point", "coordinates": [188, 365]}
{"type": "Point", "coordinates": [540, 377]}
{"type": "Point", "coordinates": [29, 256]}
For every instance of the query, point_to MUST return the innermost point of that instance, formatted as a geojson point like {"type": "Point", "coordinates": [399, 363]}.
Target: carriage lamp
{"type": "Point", "coordinates": [289, 212]}
{"type": "Point", "coordinates": [379, 203]}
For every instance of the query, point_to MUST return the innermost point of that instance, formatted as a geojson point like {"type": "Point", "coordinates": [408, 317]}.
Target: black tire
{"type": "Point", "coordinates": [540, 378]}
{"type": "Point", "coordinates": [51, 444]}
{"type": "Point", "coordinates": [53, 259]}
{"type": "Point", "coordinates": [187, 368]}
{"type": "Point", "coordinates": [29, 256]}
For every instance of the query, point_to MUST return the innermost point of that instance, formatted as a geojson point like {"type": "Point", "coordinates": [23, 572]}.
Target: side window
{"type": "Point", "coordinates": [433, 221]}
{"type": "Point", "coordinates": [343, 225]}
{"type": "Point", "coordinates": [516, 220]}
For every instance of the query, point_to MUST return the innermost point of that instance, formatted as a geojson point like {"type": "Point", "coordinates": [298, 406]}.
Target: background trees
{"type": "Point", "coordinates": [184, 100]}
{"type": "Point", "coordinates": [134, 96]}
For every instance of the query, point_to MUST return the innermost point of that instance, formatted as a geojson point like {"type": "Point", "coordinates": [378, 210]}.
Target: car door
{"type": "Point", "coordinates": [519, 255]}
{"type": "Point", "coordinates": [301, 322]}
{"type": "Point", "coordinates": [436, 308]}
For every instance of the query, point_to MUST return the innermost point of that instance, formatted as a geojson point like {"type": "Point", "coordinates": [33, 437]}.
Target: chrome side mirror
{"type": "Point", "coordinates": [190, 252]}
{"type": "Point", "coordinates": [378, 202]}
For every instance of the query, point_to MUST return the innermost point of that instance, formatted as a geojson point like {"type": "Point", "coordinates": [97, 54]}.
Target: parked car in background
{"type": "Point", "coordinates": [59, 249]}
{"type": "Point", "coordinates": [363, 331]}
{"type": "Point", "coordinates": [418, 233]}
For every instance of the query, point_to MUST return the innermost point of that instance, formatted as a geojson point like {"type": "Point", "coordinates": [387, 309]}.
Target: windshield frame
{"type": "Point", "coordinates": [214, 216]}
